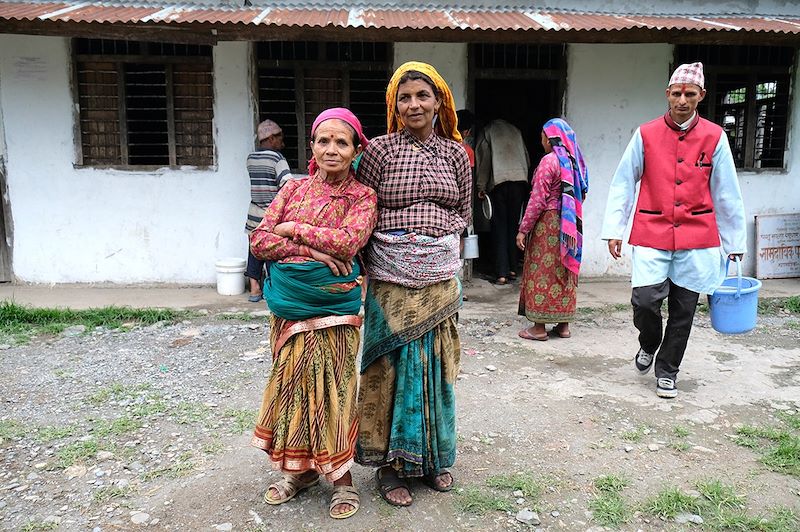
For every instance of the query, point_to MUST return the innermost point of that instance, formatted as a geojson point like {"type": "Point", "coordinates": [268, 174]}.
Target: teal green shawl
{"type": "Point", "coordinates": [300, 291]}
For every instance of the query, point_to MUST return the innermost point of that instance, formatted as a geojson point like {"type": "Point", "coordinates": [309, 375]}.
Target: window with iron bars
{"type": "Point", "coordinates": [748, 94]}
{"type": "Point", "coordinates": [299, 79]}
{"type": "Point", "coordinates": [144, 104]}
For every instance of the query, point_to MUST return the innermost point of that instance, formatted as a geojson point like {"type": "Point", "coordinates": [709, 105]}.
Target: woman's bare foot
{"type": "Point", "coordinates": [443, 480]}
{"type": "Point", "coordinates": [562, 330]}
{"type": "Point", "coordinates": [537, 332]}
{"type": "Point", "coordinates": [393, 489]}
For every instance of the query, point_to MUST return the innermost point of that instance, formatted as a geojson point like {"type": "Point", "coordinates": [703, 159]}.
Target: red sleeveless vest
{"type": "Point", "coordinates": [675, 210]}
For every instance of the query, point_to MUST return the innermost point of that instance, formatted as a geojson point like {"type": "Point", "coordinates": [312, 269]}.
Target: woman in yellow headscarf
{"type": "Point", "coordinates": [411, 349]}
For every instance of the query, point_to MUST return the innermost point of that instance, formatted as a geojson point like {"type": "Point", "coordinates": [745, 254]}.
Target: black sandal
{"type": "Point", "coordinates": [430, 481]}
{"type": "Point", "coordinates": [389, 482]}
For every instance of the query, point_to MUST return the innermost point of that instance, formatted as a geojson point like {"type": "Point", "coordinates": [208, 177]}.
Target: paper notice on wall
{"type": "Point", "coordinates": [30, 69]}
{"type": "Point", "coordinates": [778, 246]}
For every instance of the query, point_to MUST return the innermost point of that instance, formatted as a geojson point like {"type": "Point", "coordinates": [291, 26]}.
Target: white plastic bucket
{"type": "Point", "coordinates": [470, 247]}
{"type": "Point", "coordinates": [230, 276]}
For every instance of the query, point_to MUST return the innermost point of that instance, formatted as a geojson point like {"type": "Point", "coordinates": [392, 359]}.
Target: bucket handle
{"type": "Point", "coordinates": [738, 275]}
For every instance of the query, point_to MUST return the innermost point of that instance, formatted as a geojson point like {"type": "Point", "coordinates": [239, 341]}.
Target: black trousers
{"type": "Point", "coordinates": [681, 304]}
{"type": "Point", "coordinates": [507, 199]}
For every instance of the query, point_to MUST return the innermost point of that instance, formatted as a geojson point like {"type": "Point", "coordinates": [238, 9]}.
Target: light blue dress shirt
{"type": "Point", "coordinates": [699, 270]}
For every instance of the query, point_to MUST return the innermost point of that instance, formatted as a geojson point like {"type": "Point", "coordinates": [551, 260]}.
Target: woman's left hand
{"type": "Point", "coordinates": [521, 241]}
{"type": "Point", "coordinates": [285, 229]}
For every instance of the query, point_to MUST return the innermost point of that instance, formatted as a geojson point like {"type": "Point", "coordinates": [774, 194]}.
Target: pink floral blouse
{"type": "Point", "coordinates": [545, 192]}
{"type": "Point", "coordinates": [331, 219]}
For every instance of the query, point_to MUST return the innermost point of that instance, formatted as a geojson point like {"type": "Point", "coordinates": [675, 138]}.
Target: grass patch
{"type": "Point", "coordinates": [51, 434]}
{"type": "Point", "coordinates": [785, 457]}
{"type": "Point", "coordinates": [530, 487]}
{"type": "Point", "coordinates": [720, 495]}
{"type": "Point", "coordinates": [116, 427]}
{"type": "Point", "coordinates": [774, 305]}
{"type": "Point", "coordinates": [76, 452]}
{"type": "Point", "coordinates": [679, 431]}
{"type": "Point", "coordinates": [670, 502]}
{"type": "Point", "coordinates": [183, 466]}
{"type": "Point", "coordinates": [21, 322]}
{"type": "Point", "coordinates": [782, 520]}
{"type": "Point", "coordinates": [721, 509]}
{"type": "Point", "coordinates": [186, 413]}
{"type": "Point", "coordinates": [779, 448]}
{"type": "Point", "coordinates": [610, 483]}
{"type": "Point", "coordinates": [792, 419]}
{"type": "Point", "coordinates": [241, 420]}
{"type": "Point", "coordinates": [11, 430]}
{"type": "Point", "coordinates": [608, 507]}
{"type": "Point", "coordinates": [107, 493]}
{"type": "Point", "coordinates": [635, 435]}
{"type": "Point", "coordinates": [476, 501]}
{"type": "Point", "coordinates": [38, 526]}
{"type": "Point", "coordinates": [605, 309]}
{"type": "Point", "coordinates": [243, 316]}
{"type": "Point", "coordinates": [213, 447]}
{"type": "Point", "coordinates": [680, 446]}
{"type": "Point", "coordinates": [153, 405]}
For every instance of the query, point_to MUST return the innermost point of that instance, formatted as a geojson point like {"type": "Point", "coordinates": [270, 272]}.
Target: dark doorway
{"type": "Point", "coordinates": [528, 104]}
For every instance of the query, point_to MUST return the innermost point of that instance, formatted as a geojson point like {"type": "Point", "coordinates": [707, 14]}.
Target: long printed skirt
{"type": "Point", "coordinates": [548, 292]}
{"type": "Point", "coordinates": [407, 405]}
{"type": "Point", "coordinates": [308, 418]}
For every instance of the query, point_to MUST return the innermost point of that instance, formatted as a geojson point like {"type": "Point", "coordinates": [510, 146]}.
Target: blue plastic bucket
{"type": "Point", "coordinates": [734, 305]}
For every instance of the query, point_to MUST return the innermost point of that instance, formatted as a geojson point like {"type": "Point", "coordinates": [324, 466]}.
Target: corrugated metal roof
{"type": "Point", "coordinates": [527, 20]}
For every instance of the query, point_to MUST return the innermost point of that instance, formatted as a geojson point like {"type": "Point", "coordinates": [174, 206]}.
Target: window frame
{"type": "Point", "coordinates": [168, 62]}
{"type": "Point", "coordinates": [299, 68]}
{"type": "Point", "coordinates": [752, 73]}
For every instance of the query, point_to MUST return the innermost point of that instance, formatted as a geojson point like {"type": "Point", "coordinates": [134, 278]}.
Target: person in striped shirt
{"type": "Point", "coordinates": [268, 172]}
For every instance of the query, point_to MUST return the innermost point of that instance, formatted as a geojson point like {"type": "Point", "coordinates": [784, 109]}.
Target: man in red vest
{"type": "Point", "coordinates": [688, 217]}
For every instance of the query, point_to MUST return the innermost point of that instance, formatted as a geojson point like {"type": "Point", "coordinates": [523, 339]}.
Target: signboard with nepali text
{"type": "Point", "coordinates": [777, 246]}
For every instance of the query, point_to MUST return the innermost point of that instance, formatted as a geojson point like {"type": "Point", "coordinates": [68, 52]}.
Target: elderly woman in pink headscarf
{"type": "Point", "coordinates": [312, 232]}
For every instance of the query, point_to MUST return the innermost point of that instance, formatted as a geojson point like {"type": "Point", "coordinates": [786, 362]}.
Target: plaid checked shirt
{"type": "Point", "coordinates": [424, 187]}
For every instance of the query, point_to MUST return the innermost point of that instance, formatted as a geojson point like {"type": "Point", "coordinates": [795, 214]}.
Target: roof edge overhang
{"type": "Point", "coordinates": [212, 33]}
{"type": "Point", "coordinates": [182, 23]}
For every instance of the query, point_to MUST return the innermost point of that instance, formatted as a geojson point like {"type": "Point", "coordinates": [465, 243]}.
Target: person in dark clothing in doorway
{"type": "Point", "coordinates": [502, 173]}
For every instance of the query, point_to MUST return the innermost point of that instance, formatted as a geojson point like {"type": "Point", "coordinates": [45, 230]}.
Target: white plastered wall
{"type": "Point", "coordinates": [611, 90]}
{"type": "Point", "coordinates": [87, 225]}
{"type": "Point", "coordinates": [449, 60]}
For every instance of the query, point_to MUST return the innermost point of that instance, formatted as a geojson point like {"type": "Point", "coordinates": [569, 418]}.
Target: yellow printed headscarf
{"type": "Point", "coordinates": [446, 125]}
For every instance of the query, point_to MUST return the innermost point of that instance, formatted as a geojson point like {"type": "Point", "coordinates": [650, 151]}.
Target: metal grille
{"type": "Point", "coordinates": [146, 113]}
{"type": "Point", "coordinates": [519, 56]}
{"type": "Point", "coordinates": [288, 50]}
{"type": "Point", "coordinates": [357, 51]}
{"type": "Point", "coordinates": [757, 56]}
{"type": "Point", "coordinates": [748, 95]}
{"type": "Point", "coordinates": [293, 93]}
{"type": "Point", "coordinates": [99, 113]}
{"type": "Point", "coordinates": [107, 47]}
{"type": "Point", "coordinates": [367, 97]}
{"type": "Point", "coordinates": [192, 87]}
{"type": "Point", "coordinates": [139, 109]}
{"type": "Point", "coordinates": [277, 101]}
{"type": "Point", "coordinates": [772, 115]}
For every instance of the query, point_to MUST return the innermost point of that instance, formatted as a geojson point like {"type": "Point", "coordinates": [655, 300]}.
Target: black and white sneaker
{"type": "Point", "coordinates": [643, 361]}
{"type": "Point", "coordinates": [666, 388]}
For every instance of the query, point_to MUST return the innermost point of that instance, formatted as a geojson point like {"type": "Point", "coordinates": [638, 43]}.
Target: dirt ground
{"type": "Point", "coordinates": [149, 428]}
